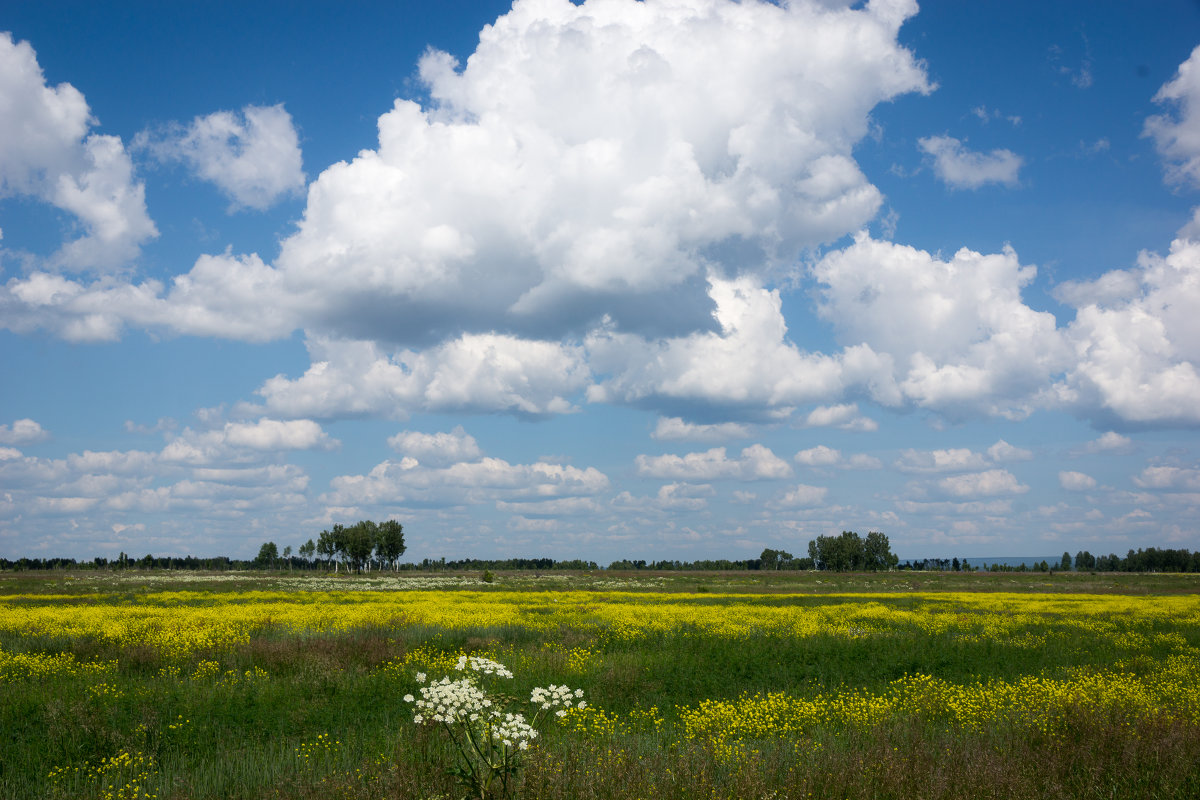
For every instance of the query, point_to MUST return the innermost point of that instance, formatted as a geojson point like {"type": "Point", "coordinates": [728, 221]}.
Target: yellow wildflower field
{"type": "Point", "coordinates": [181, 678]}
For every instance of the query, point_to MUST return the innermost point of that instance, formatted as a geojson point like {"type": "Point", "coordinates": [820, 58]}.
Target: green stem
{"type": "Point", "coordinates": [465, 755]}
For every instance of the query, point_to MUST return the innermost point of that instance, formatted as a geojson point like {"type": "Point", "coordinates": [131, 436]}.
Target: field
{"type": "Point", "coordinates": [748, 685]}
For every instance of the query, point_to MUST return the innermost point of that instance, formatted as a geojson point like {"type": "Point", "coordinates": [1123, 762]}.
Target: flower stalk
{"type": "Point", "coordinates": [489, 742]}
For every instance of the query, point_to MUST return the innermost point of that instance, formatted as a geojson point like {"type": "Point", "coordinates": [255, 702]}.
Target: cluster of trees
{"type": "Point", "coordinates": [841, 553]}
{"type": "Point", "coordinates": [852, 553]}
{"type": "Point", "coordinates": [1149, 560]}
{"type": "Point", "coordinates": [355, 547]}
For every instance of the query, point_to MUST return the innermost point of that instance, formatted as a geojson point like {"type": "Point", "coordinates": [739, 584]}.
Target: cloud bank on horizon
{"type": "Point", "coordinates": [658, 207]}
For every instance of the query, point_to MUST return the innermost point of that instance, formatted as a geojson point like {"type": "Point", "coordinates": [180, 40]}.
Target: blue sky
{"type": "Point", "coordinates": [653, 280]}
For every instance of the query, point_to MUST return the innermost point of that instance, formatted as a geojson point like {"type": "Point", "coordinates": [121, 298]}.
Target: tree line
{"type": "Point", "coordinates": [369, 545]}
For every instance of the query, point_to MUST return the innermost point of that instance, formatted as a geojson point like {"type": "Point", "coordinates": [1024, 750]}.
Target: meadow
{"type": "Point", "coordinates": [730, 685]}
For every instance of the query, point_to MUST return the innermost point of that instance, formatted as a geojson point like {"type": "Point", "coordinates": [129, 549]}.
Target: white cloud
{"type": "Point", "coordinates": [475, 372]}
{"type": "Point", "coordinates": [757, 462]}
{"type": "Point", "coordinates": [436, 449]}
{"type": "Point", "coordinates": [845, 415]}
{"type": "Point", "coordinates": [819, 456]}
{"type": "Point", "coordinates": [23, 431]}
{"type": "Point", "coordinates": [253, 155]}
{"type": "Point", "coordinates": [957, 459]}
{"type": "Point", "coordinates": [1110, 442]}
{"type": "Point", "coordinates": [1167, 477]}
{"type": "Point", "coordinates": [49, 154]}
{"type": "Point", "coordinates": [982, 484]}
{"type": "Point", "coordinates": [245, 441]}
{"type": "Point", "coordinates": [226, 296]}
{"type": "Point", "coordinates": [587, 153]}
{"type": "Point", "coordinates": [749, 366]}
{"type": "Point", "coordinates": [406, 482]}
{"type": "Point", "coordinates": [683, 496]}
{"type": "Point", "coordinates": [271, 434]}
{"type": "Point", "coordinates": [675, 429]}
{"type": "Point", "coordinates": [961, 168]}
{"type": "Point", "coordinates": [963, 341]}
{"type": "Point", "coordinates": [960, 337]}
{"type": "Point", "coordinates": [1136, 339]}
{"type": "Point", "coordinates": [1003, 451]}
{"type": "Point", "coordinates": [1076, 481]}
{"type": "Point", "coordinates": [1178, 138]}
{"type": "Point", "coordinates": [802, 496]}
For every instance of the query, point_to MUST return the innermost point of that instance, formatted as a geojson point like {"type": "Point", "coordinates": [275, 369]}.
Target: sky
{"type": "Point", "coordinates": [674, 279]}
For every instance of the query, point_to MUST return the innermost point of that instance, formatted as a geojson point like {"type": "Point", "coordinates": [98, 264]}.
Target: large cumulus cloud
{"type": "Point", "coordinates": [595, 161]}
{"type": "Point", "coordinates": [48, 152]}
{"type": "Point", "coordinates": [589, 162]}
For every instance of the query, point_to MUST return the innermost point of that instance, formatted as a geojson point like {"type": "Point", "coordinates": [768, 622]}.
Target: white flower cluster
{"type": "Point", "coordinates": [483, 665]}
{"type": "Point", "coordinates": [559, 697]}
{"type": "Point", "coordinates": [512, 730]}
{"type": "Point", "coordinates": [450, 701]}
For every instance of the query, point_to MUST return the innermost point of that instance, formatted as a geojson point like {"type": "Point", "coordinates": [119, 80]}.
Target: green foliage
{"type": "Point", "coordinates": [850, 552]}
{"type": "Point", "coordinates": [389, 542]}
{"type": "Point", "coordinates": [268, 554]}
{"type": "Point", "coordinates": [358, 541]}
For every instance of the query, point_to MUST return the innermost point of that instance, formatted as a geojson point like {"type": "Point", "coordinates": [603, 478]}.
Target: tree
{"type": "Point", "coordinates": [776, 559]}
{"type": "Point", "coordinates": [851, 552]}
{"type": "Point", "coordinates": [307, 549]}
{"type": "Point", "coordinates": [267, 555]}
{"type": "Point", "coordinates": [287, 553]}
{"type": "Point", "coordinates": [1065, 564]}
{"type": "Point", "coordinates": [389, 542]}
{"type": "Point", "coordinates": [877, 552]}
{"type": "Point", "coordinates": [818, 552]}
{"type": "Point", "coordinates": [328, 544]}
{"type": "Point", "coordinates": [357, 543]}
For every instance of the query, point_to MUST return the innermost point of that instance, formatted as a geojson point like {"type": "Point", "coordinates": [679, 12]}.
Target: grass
{"type": "Point", "coordinates": [289, 711]}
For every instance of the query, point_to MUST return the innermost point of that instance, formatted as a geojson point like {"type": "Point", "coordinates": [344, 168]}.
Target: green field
{"type": "Point", "coordinates": [730, 685]}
